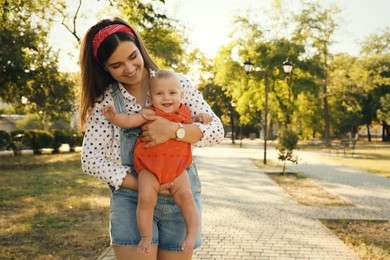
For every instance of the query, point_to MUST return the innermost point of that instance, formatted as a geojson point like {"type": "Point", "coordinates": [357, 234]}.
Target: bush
{"type": "Point", "coordinates": [41, 139]}
{"type": "Point", "coordinates": [76, 139]}
{"type": "Point", "coordinates": [288, 141]}
{"type": "Point", "coordinates": [5, 140]}
{"type": "Point", "coordinates": [38, 139]}
{"type": "Point", "coordinates": [21, 140]}
{"type": "Point", "coordinates": [61, 137]}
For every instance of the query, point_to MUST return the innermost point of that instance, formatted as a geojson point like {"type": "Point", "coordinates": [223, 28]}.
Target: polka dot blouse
{"type": "Point", "coordinates": [101, 146]}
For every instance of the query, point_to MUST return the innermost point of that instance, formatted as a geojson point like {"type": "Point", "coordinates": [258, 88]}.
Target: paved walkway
{"type": "Point", "coordinates": [247, 216]}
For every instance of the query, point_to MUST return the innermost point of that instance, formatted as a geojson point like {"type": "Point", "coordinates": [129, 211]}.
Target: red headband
{"type": "Point", "coordinates": [104, 33]}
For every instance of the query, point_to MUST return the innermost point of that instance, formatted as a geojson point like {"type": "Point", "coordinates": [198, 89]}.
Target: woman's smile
{"type": "Point", "coordinates": [131, 74]}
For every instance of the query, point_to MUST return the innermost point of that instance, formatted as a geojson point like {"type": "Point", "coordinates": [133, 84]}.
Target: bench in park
{"type": "Point", "coordinates": [344, 146]}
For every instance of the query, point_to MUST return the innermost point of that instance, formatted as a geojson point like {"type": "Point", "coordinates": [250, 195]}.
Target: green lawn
{"type": "Point", "coordinates": [50, 209]}
{"type": "Point", "coordinates": [375, 161]}
{"type": "Point", "coordinates": [374, 158]}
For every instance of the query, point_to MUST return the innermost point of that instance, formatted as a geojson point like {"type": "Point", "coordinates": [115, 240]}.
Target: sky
{"type": "Point", "coordinates": [210, 21]}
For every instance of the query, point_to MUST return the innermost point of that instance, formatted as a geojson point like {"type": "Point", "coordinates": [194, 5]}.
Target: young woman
{"type": "Point", "coordinates": [116, 69]}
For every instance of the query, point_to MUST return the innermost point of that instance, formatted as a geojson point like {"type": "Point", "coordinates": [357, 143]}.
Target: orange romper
{"type": "Point", "coordinates": [167, 160]}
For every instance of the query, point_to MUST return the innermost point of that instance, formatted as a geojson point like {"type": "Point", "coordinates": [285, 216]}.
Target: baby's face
{"type": "Point", "coordinates": [166, 94]}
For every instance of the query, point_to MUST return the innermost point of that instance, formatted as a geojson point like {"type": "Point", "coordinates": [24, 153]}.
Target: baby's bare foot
{"type": "Point", "coordinates": [144, 245]}
{"type": "Point", "coordinates": [188, 244]}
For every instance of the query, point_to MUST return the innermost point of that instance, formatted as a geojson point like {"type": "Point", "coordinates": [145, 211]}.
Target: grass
{"type": "Point", "coordinates": [368, 239]}
{"type": "Point", "coordinates": [374, 161]}
{"type": "Point", "coordinates": [303, 190]}
{"type": "Point", "coordinates": [306, 192]}
{"type": "Point", "coordinates": [371, 157]}
{"type": "Point", "coordinates": [50, 209]}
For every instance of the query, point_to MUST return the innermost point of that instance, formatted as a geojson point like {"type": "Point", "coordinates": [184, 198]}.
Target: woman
{"type": "Point", "coordinates": [116, 69]}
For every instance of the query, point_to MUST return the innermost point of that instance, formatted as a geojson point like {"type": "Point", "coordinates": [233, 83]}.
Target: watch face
{"type": "Point", "coordinates": [180, 133]}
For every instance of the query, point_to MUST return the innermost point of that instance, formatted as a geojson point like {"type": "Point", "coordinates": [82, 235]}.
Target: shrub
{"type": "Point", "coordinates": [76, 139]}
{"type": "Point", "coordinates": [41, 139]}
{"type": "Point", "coordinates": [21, 140]}
{"type": "Point", "coordinates": [5, 140]}
{"type": "Point", "coordinates": [61, 137]}
{"type": "Point", "coordinates": [288, 141]}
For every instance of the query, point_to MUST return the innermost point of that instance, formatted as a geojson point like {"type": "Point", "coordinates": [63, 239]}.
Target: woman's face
{"type": "Point", "coordinates": [126, 64]}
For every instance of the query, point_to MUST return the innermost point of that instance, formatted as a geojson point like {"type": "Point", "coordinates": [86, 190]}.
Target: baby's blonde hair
{"type": "Point", "coordinates": [164, 74]}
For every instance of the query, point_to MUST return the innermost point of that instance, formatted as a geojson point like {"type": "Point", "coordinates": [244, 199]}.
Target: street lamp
{"type": "Point", "coordinates": [287, 66]}
{"type": "Point", "coordinates": [24, 100]}
{"type": "Point", "coordinates": [248, 67]}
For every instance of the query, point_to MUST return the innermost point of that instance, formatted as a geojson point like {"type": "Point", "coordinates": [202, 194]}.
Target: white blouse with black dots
{"type": "Point", "coordinates": [101, 146]}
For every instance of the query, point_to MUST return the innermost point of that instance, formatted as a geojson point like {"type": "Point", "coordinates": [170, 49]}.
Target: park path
{"type": "Point", "coordinates": [246, 215]}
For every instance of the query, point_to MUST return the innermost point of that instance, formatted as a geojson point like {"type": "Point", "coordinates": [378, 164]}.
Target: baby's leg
{"type": "Point", "coordinates": [148, 186]}
{"type": "Point", "coordinates": [182, 196]}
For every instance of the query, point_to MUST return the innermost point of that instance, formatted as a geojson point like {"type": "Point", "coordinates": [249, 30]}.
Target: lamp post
{"type": "Point", "coordinates": [232, 109]}
{"type": "Point", "coordinates": [248, 67]}
{"type": "Point", "coordinates": [265, 117]}
{"type": "Point", "coordinates": [287, 68]}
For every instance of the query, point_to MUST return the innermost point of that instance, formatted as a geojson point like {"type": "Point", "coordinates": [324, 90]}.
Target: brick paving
{"type": "Point", "coordinates": [246, 215]}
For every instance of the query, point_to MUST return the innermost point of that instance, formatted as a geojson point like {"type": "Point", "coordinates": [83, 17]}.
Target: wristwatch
{"type": "Point", "coordinates": [181, 132]}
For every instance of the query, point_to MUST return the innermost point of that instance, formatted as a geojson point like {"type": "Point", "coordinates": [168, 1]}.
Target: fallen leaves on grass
{"type": "Point", "coordinates": [305, 191]}
{"type": "Point", "coordinates": [368, 239]}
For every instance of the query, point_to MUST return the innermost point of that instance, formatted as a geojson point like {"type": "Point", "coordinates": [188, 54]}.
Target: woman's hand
{"type": "Point", "coordinates": [158, 131]}
{"type": "Point", "coordinates": [165, 189]}
{"type": "Point", "coordinates": [131, 182]}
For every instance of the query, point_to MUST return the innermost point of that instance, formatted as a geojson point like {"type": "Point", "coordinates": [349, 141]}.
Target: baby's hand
{"type": "Point", "coordinates": [108, 112]}
{"type": "Point", "coordinates": [204, 118]}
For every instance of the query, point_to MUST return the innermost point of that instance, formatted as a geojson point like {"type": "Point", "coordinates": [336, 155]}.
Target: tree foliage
{"type": "Point", "coordinates": [164, 36]}
{"type": "Point", "coordinates": [29, 67]}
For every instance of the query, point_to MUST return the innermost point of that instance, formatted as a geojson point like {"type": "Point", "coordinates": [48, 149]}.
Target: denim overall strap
{"type": "Point", "coordinates": [128, 136]}
{"type": "Point", "coordinates": [117, 96]}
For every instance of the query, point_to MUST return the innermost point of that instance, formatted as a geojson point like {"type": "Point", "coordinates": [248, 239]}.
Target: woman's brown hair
{"type": "Point", "coordinates": [94, 78]}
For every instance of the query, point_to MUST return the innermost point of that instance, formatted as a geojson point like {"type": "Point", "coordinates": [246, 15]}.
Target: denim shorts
{"type": "Point", "coordinates": [169, 229]}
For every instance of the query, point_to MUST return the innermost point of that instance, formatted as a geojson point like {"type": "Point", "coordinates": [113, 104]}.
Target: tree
{"type": "Point", "coordinates": [316, 26]}
{"type": "Point", "coordinates": [377, 43]}
{"type": "Point", "coordinates": [164, 37]}
{"type": "Point", "coordinates": [376, 60]}
{"type": "Point", "coordinates": [19, 38]}
{"type": "Point", "coordinates": [384, 116]}
{"type": "Point", "coordinates": [347, 95]}
{"type": "Point", "coordinates": [29, 68]}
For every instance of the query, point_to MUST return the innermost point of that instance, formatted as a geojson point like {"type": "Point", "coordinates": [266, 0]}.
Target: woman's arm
{"type": "Point", "coordinates": [97, 148]}
{"type": "Point", "coordinates": [161, 130]}
{"type": "Point", "coordinates": [131, 182]}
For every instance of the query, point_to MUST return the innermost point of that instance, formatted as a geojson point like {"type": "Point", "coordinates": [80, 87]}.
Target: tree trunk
{"type": "Point", "coordinates": [232, 126]}
{"type": "Point", "coordinates": [326, 113]}
{"type": "Point", "coordinates": [368, 133]}
{"type": "Point", "coordinates": [385, 132]}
